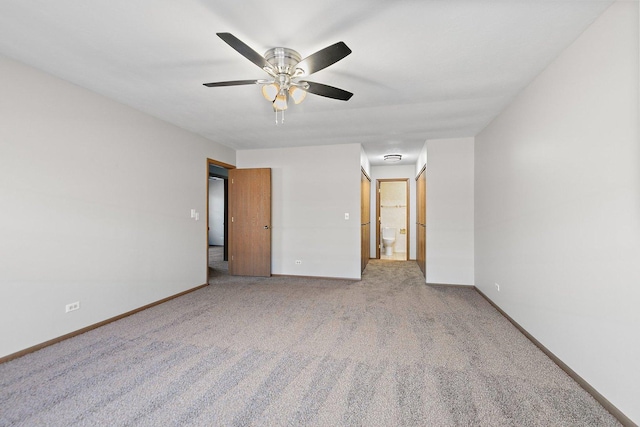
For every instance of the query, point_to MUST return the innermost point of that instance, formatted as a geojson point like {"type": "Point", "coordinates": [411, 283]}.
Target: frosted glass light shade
{"type": "Point", "coordinates": [392, 157]}
{"type": "Point", "coordinates": [280, 103]}
{"type": "Point", "coordinates": [270, 91]}
{"type": "Point", "coordinates": [297, 94]}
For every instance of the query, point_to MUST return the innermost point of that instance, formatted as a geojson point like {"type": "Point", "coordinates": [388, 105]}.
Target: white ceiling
{"type": "Point", "coordinates": [419, 69]}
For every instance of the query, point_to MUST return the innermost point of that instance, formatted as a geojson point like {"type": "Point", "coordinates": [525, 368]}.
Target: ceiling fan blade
{"type": "Point", "coordinates": [327, 91]}
{"type": "Point", "coordinates": [232, 83]}
{"type": "Point", "coordinates": [245, 51]}
{"type": "Point", "coordinates": [323, 58]}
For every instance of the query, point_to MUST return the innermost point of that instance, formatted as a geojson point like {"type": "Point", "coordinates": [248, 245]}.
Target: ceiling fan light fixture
{"type": "Point", "coordinates": [285, 66]}
{"type": "Point", "coordinates": [392, 158]}
{"type": "Point", "coordinates": [297, 94]}
{"type": "Point", "coordinates": [270, 91]}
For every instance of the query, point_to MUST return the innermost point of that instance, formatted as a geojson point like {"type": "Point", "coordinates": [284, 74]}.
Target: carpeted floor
{"type": "Point", "coordinates": [217, 265]}
{"type": "Point", "coordinates": [386, 351]}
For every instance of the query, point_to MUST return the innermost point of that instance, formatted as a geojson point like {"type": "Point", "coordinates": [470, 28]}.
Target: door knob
{"type": "Point", "coordinates": [266, 227]}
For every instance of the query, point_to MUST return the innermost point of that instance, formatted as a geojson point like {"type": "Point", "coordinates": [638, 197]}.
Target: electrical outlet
{"type": "Point", "coordinates": [72, 307]}
{"type": "Point", "coordinates": [298, 261]}
{"type": "Point", "coordinates": [497, 287]}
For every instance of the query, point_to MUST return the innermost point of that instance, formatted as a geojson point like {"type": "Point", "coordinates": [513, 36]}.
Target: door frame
{"type": "Point", "coordinates": [365, 219]}
{"type": "Point", "coordinates": [421, 214]}
{"type": "Point", "coordinates": [378, 220]}
{"type": "Point", "coordinates": [226, 237]}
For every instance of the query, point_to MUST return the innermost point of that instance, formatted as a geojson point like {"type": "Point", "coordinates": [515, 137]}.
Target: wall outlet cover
{"type": "Point", "coordinates": [72, 307]}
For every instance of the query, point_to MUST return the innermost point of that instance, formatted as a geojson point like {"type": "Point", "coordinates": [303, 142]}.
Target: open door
{"type": "Point", "coordinates": [250, 222]}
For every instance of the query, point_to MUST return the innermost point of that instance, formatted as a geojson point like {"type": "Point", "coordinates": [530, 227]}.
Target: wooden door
{"type": "Point", "coordinates": [250, 222]}
{"type": "Point", "coordinates": [365, 219]}
{"type": "Point", "coordinates": [421, 221]}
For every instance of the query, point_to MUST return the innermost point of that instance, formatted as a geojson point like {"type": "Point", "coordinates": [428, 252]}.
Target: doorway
{"type": "Point", "coordinates": [217, 214]}
{"type": "Point", "coordinates": [392, 212]}
{"type": "Point", "coordinates": [246, 220]}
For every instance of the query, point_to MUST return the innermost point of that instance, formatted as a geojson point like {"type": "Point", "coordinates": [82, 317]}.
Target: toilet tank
{"type": "Point", "coordinates": [388, 232]}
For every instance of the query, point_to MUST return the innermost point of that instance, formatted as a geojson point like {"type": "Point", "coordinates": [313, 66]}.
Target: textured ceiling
{"type": "Point", "coordinates": [419, 69]}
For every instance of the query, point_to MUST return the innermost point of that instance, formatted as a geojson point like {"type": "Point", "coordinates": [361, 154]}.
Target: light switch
{"type": "Point", "coordinates": [346, 215]}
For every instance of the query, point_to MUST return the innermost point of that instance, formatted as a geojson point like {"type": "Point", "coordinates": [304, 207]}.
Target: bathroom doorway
{"type": "Point", "coordinates": [392, 212]}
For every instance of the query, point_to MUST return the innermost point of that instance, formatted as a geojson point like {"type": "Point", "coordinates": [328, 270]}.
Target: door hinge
{"type": "Point", "coordinates": [232, 180]}
{"type": "Point", "coordinates": [231, 219]}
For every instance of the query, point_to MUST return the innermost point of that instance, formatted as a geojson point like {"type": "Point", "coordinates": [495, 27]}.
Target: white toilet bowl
{"type": "Point", "coordinates": [388, 239]}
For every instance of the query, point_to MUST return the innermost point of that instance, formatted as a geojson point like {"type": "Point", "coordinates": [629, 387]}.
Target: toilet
{"type": "Point", "coordinates": [388, 239]}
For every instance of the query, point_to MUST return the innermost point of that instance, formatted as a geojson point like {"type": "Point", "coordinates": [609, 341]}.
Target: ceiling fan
{"type": "Point", "coordinates": [287, 71]}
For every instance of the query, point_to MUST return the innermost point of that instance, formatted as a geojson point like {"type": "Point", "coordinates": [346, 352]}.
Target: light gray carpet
{"type": "Point", "coordinates": [386, 351]}
{"type": "Point", "coordinates": [217, 265]}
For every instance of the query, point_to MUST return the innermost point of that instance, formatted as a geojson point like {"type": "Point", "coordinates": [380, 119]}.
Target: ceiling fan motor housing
{"type": "Point", "coordinates": [283, 59]}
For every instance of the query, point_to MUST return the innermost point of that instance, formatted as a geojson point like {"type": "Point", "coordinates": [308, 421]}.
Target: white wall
{"type": "Point", "coordinates": [557, 192]}
{"type": "Point", "coordinates": [390, 172]}
{"type": "Point", "coordinates": [312, 189]}
{"type": "Point", "coordinates": [450, 222]}
{"type": "Point", "coordinates": [364, 162]}
{"type": "Point", "coordinates": [216, 212]}
{"type": "Point", "coordinates": [422, 160]}
{"type": "Point", "coordinates": [95, 207]}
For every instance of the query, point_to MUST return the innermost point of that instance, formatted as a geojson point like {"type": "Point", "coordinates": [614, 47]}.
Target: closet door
{"type": "Point", "coordinates": [365, 219]}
